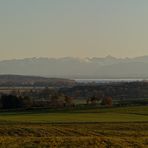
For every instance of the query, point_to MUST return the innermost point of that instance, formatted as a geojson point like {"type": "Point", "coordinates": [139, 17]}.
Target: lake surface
{"type": "Point", "coordinates": [107, 80]}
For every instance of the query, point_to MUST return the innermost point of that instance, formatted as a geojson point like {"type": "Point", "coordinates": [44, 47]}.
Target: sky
{"type": "Point", "coordinates": [75, 28]}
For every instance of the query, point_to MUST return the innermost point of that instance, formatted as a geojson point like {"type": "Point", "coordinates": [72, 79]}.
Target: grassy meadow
{"type": "Point", "coordinates": [99, 135]}
{"type": "Point", "coordinates": [123, 114]}
{"type": "Point", "coordinates": [97, 127]}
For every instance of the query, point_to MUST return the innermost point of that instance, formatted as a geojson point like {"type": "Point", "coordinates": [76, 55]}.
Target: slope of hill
{"type": "Point", "coordinates": [20, 80]}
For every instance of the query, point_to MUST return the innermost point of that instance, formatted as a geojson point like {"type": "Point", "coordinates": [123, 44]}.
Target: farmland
{"type": "Point", "coordinates": [123, 114]}
{"type": "Point", "coordinates": [96, 127]}
{"type": "Point", "coordinates": [74, 135]}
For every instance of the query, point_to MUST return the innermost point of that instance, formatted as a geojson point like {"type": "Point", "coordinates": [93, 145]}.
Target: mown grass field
{"type": "Point", "coordinates": [124, 114]}
{"type": "Point", "coordinates": [74, 135]}
{"type": "Point", "coordinates": [87, 128]}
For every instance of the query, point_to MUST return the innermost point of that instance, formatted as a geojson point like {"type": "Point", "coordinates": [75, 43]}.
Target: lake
{"type": "Point", "coordinates": [107, 80]}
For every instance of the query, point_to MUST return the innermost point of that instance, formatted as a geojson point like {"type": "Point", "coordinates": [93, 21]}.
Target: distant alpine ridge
{"type": "Point", "coordinates": [69, 67]}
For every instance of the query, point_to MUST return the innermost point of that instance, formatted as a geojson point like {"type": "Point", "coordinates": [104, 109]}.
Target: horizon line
{"type": "Point", "coordinates": [74, 57]}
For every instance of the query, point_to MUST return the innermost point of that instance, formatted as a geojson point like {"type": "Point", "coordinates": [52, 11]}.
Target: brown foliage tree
{"type": "Point", "coordinates": [107, 101]}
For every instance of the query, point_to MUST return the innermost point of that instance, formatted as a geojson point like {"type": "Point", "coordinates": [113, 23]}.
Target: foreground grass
{"type": "Point", "coordinates": [87, 128]}
{"type": "Point", "coordinates": [99, 135]}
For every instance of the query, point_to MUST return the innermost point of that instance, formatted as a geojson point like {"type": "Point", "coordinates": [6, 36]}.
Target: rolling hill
{"type": "Point", "coordinates": [21, 80]}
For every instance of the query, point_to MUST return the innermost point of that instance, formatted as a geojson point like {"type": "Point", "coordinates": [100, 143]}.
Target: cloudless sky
{"type": "Point", "coordinates": [79, 28]}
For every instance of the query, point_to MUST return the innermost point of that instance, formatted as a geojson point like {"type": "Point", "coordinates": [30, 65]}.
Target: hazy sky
{"type": "Point", "coordinates": [79, 28]}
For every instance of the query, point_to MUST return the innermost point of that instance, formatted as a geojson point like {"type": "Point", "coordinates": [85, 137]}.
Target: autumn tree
{"type": "Point", "coordinates": [107, 101]}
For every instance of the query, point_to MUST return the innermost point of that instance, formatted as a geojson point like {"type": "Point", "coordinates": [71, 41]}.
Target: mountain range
{"type": "Point", "coordinates": [70, 67]}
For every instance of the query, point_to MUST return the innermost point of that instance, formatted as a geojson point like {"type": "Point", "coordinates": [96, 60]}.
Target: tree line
{"type": "Point", "coordinates": [46, 98]}
{"type": "Point", "coordinates": [122, 90]}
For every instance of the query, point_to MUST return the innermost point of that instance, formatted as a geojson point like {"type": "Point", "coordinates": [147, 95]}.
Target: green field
{"type": "Point", "coordinates": [87, 128]}
{"type": "Point", "coordinates": [125, 114]}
